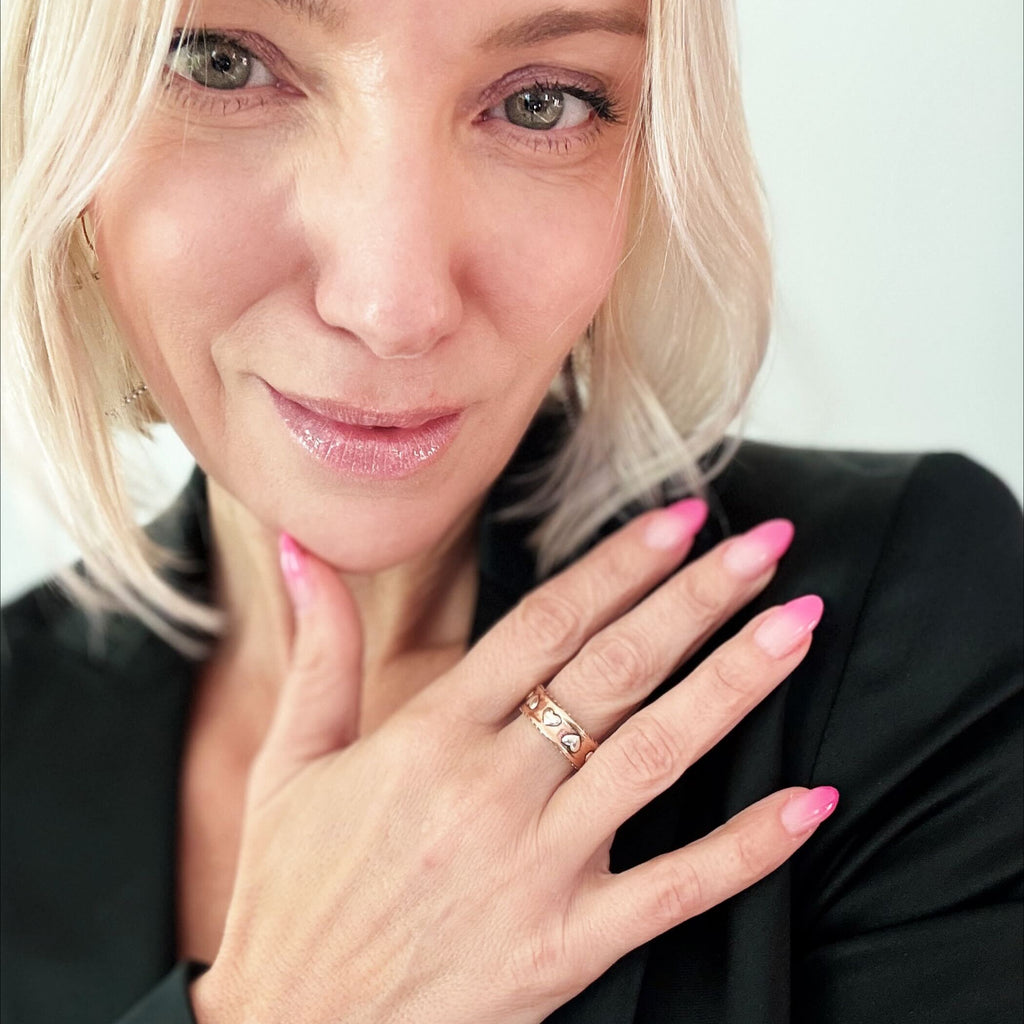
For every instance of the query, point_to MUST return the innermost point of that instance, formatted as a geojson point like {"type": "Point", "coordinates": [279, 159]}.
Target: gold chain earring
{"type": "Point", "coordinates": [94, 259]}
{"type": "Point", "coordinates": [128, 399]}
{"type": "Point", "coordinates": [139, 389]}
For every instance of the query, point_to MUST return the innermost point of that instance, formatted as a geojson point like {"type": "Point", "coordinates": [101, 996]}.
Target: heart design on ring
{"type": "Point", "coordinates": [550, 718]}
{"type": "Point", "coordinates": [571, 742]}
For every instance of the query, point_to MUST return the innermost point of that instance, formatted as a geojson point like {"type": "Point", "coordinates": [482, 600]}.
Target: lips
{"type": "Point", "coordinates": [367, 442]}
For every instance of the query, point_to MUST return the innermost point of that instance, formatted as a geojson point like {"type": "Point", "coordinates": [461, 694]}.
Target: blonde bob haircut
{"type": "Point", "coordinates": [662, 372]}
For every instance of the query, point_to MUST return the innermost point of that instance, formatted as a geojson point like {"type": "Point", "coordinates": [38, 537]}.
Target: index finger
{"type": "Point", "coordinates": [549, 626]}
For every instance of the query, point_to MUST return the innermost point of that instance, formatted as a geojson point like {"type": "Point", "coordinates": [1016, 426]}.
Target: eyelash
{"type": "Point", "coordinates": [211, 100]}
{"type": "Point", "coordinates": [603, 106]}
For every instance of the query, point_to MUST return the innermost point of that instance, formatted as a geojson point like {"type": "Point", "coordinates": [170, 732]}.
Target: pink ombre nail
{"type": "Point", "coordinates": [295, 572]}
{"type": "Point", "coordinates": [785, 628]}
{"type": "Point", "coordinates": [807, 810]}
{"type": "Point", "coordinates": [671, 526]}
{"type": "Point", "coordinates": [753, 553]}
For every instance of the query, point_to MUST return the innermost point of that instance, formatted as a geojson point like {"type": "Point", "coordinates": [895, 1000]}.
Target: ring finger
{"type": "Point", "coordinates": [620, 666]}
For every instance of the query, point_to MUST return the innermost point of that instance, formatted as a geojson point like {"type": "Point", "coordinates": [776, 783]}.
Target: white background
{"type": "Point", "coordinates": [890, 140]}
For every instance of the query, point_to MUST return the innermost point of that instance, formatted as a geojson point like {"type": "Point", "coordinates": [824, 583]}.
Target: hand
{"type": "Point", "coordinates": [450, 867]}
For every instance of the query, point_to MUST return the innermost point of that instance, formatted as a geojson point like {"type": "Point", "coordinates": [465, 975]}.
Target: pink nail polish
{"type": "Point", "coordinates": [294, 571]}
{"type": "Point", "coordinates": [806, 810]}
{"type": "Point", "coordinates": [785, 628]}
{"type": "Point", "coordinates": [671, 526]}
{"type": "Point", "coordinates": [753, 553]}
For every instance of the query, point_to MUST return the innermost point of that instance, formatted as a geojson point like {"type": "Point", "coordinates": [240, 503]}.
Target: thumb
{"type": "Point", "coordinates": [318, 707]}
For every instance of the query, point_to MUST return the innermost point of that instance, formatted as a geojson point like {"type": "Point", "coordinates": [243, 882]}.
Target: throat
{"type": "Point", "coordinates": [386, 688]}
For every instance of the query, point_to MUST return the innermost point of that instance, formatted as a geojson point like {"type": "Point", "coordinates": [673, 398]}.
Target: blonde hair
{"type": "Point", "coordinates": [664, 369]}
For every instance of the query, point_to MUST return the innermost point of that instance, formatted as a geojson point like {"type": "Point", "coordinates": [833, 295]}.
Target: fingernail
{"type": "Point", "coordinates": [679, 522]}
{"type": "Point", "coordinates": [784, 630]}
{"type": "Point", "coordinates": [294, 570]}
{"type": "Point", "coordinates": [806, 810]}
{"type": "Point", "coordinates": [751, 554]}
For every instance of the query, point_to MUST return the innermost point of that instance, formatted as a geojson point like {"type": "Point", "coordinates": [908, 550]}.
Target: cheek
{"type": "Point", "coordinates": [180, 263]}
{"type": "Point", "coordinates": [550, 254]}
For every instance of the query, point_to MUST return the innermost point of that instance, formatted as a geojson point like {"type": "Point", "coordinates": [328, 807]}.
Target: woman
{"type": "Point", "coordinates": [385, 725]}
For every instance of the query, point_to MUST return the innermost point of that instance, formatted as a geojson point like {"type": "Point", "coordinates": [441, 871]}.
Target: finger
{"type": "Point", "coordinates": [631, 908]}
{"type": "Point", "coordinates": [550, 625]}
{"type": "Point", "coordinates": [649, 751]}
{"type": "Point", "coordinates": [318, 707]}
{"type": "Point", "coordinates": [619, 667]}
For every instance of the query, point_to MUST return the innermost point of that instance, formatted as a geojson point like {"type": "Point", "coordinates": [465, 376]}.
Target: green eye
{"type": "Point", "coordinates": [546, 105]}
{"type": "Point", "coordinates": [535, 108]}
{"type": "Point", "coordinates": [212, 61]}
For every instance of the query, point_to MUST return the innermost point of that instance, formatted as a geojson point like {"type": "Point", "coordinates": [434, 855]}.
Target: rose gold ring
{"type": "Point", "coordinates": [553, 722]}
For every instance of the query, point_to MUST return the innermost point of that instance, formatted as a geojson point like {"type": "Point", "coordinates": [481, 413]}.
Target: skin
{"type": "Point", "coordinates": [363, 216]}
{"type": "Point", "coordinates": [363, 226]}
{"type": "Point", "coordinates": [360, 213]}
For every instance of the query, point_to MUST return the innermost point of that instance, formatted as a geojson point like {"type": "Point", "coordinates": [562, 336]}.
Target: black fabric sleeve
{"type": "Point", "coordinates": [168, 1002]}
{"type": "Point", "coordinates": [911, 895]}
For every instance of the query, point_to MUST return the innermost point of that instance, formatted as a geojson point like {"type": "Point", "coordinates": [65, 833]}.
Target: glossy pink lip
{"type": "Point", "coordinates": [367, 442]}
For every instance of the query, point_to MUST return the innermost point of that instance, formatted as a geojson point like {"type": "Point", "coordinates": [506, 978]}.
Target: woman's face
{"type": "Point", "coordinates": [352, 244]}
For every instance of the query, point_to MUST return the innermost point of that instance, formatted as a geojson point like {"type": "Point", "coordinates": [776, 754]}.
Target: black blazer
{"type": "Point", "coordinates": [904, 907]}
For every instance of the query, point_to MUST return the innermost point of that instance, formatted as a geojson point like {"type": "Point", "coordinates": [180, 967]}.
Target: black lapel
{"type": "Point", "coordinates": [90, 795]}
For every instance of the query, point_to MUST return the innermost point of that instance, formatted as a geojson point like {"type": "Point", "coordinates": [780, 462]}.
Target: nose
{"type": "Point", "coordinates": [381, 220]}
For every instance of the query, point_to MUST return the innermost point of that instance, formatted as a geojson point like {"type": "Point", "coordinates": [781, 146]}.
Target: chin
{"type": "Point", "coordinates": [366, 537]}
{"type": "Point", "coordinates": [359, 525]}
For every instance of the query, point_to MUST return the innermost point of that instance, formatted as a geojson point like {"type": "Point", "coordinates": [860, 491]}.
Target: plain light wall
{"type": "Point", "coordinates": [890, 142]}
{"type": "Point", "coordinates": [890, 139]}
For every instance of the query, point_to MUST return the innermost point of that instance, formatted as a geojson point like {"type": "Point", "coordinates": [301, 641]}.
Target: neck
{"type": "Point", "coordinates": [416, 616]}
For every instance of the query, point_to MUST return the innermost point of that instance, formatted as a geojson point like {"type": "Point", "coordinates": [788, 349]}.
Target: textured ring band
{"type": "Point", "coordinates": [554, 723]}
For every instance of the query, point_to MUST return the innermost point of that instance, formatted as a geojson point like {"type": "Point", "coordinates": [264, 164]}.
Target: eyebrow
{"type": "Point", "coordinates": [326, 13]}
{"type": "Point", "coordinates": [528, 30]}
{"type": "Point", "coordinates": [559, 22]}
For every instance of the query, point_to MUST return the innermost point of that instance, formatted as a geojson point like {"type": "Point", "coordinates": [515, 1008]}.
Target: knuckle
{"type": "Point", "coordinates": [540, 963]}
{"type": "Point", "coordinates": [748, 856]}
{"type": "Point", "coordinates": [545, 958]}
{"type": "Point", "coordinates": [550, 621]}
{"type": "Point", "coordinates": [620, 560]}
{"type": "Point", "coordinates": [314, 661]}
{"type": "Point", "coordinates": [618, 662]}
{"type": "Point", "coordinates": [650, 754]}
{"type": "Point", "coordinates": [700, 596]}
{"type": "Point", "coordinates": [733, 679]}
{"type": "Point", "coordinates": [441, 838]}
{"type": "Point", "coordinates": [680, 892]}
